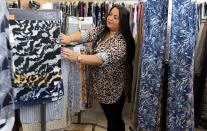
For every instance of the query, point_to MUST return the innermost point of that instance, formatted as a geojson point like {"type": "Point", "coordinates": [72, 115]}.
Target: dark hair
{"type": "Point", "coordinates": [124, 29]}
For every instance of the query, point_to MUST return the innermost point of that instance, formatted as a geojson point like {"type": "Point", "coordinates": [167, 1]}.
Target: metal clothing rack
{"type": "Point", "coordinates": [166, 68]}
{"type": "Point", "coordinates": [43, 116]}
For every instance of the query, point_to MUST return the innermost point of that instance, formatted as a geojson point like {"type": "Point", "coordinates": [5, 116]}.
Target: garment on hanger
{"type": "Point", "coordinates": [180, 106]}
{"type": "Point", "coordinates": [36, 59]}
{"type": "Point", "coordinates": [179, 110]}
{"type": "Point", "coordinates": [73, 79]}
{"type": "Point", "coordinates": [89, 9]}
{"type": "Point", "coordinates": [137, 62]}
{"type": "Point", "coordinates": [155, 22]}
{"type": "Point", "coordinates": [6, 91]}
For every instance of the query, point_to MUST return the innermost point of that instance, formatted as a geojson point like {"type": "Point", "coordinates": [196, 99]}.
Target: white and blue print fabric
{"type": "Point", "coordinates": [179, 108]}
{"type": "Point", "coordinates": [155, 22]}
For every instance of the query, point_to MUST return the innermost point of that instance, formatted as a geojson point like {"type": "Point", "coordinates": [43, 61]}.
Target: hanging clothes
{"type": "Point", "coordinates": [180, 103]}
{"type": "Point", "coordinates": [155, 22]}
{"type": "Point", "coordinates": [74, 79]}
{"type": "Point", "coordinates": [86, 9]}
{"type": "Point", "coordinates": [179, 110]}
{"type": "Point", "coordinates": [137, 62]}
{"type": "Point", "coordinates": [6, 91]}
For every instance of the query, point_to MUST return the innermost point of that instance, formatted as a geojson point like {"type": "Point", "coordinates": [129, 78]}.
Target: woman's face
{"type": "Point", "coordinates": [112, 20]}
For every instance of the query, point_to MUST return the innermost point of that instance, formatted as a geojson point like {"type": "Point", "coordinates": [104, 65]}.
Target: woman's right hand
{"type": "Point", "coordinates": [65, 39]}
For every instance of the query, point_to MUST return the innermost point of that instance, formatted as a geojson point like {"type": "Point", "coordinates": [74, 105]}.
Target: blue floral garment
{"type": "Point", "coordinates": [155, 21]}
{"type": "Point", "coordinates": [180, 108]}
{"type": "Point", "coordinates": [180, 91]}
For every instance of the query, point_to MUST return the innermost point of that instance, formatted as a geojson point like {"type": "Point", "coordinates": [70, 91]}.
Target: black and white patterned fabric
{"type": "Point", "coordinates": [36, 59]}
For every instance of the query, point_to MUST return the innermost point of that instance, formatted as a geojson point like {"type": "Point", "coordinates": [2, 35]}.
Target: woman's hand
{"type": "Point", "coordinates": [69, 54]}
{"type": "Point", "coordinates": [65, 39]}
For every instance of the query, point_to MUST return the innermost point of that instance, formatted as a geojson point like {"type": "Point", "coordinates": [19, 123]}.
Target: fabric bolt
{"type": "Point", "coordinates": [6, 91]}
{"type": "Point", "coordinates": [73, 80]}
{"type": "Point", "coordinates": [155, 21]}
{"type": "Point", "coordinates": [66, 76]}
{"type": "Point", "coordinates": [180, 103]}
{"type": "Point", "coordinates": [36, 61]}
{"type": "Point", "coordinates": [74, 83]}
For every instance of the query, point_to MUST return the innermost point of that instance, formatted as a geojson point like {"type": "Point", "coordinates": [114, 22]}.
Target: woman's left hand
{"type": "Point", "coordinates": [69, 54]}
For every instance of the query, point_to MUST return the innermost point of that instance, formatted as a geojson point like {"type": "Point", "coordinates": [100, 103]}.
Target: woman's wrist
{"type": "Point", "coordinates": [70, 38]}
{"type": "Point", "coordinates": [79, 58]}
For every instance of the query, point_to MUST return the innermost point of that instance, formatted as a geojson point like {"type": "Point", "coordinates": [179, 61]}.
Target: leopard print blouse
{"type": "Point", "coordinates": [109, 80]}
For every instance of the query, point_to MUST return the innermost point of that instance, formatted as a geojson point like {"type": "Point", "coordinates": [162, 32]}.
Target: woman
{"type": "Point", "coordinates": [111, 59]}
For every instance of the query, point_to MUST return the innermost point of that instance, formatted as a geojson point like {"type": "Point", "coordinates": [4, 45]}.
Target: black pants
{"type": "Point", "coordinates": [113, 113]}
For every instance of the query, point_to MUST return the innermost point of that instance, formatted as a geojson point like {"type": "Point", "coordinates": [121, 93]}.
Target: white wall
{"type": "Point", "coordinates": [200, 1]}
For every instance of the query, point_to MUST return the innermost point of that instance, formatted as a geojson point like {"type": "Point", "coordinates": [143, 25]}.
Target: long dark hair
{"type": "Point", "coordinates": [124, 29]}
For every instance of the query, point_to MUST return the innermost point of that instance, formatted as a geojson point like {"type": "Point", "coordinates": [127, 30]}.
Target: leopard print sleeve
{"type": "Point", "coordinates": [103, 56]}
{"type": "Point", "coordinates": [89, 35]}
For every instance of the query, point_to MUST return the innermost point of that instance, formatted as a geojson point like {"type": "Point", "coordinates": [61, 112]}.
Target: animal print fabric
{"type": "Point", "coordinates": [36, 61]}
{"type": "Point", "coordinates": [108, 81]}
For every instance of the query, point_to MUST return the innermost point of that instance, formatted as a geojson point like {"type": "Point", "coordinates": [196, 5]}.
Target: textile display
{"type": "Point", "coordinates": [36, 57]}
{"type": "Point", "coordinates": [180, 109]}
